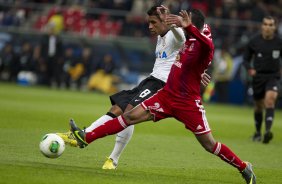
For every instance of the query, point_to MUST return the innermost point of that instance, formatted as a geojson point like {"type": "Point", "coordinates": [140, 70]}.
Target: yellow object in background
{"type": "Point", "coordinates": [209, 91]}
{"type": "Point", "coordinates": [102, 82]}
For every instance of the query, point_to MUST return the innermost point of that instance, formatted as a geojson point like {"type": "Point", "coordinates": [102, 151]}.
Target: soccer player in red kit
{"type": "Point", "coordinates": [180, 98]}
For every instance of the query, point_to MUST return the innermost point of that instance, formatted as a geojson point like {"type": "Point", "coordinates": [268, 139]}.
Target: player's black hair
{"type": "Point", "coordinates": [159, 2]}
{"type": "Point", "coordinates": [198, 18]}
{"type": "Point", "coordinates": [153, 11]}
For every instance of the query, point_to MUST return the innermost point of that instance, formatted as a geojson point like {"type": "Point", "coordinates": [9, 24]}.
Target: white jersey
{"type": "Point", "coordinates": [166, 51]}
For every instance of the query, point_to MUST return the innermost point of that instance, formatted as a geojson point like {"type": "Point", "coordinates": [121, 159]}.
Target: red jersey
{"type": "Point", "coordinates": [194, 57]}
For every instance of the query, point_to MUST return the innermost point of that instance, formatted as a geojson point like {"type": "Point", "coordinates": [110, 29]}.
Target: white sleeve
{"type": "Point", "coordinates": [178, 34]}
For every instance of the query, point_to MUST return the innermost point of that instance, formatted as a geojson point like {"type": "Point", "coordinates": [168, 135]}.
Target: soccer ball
{"type": "Point", "coordinates": [52, 145]}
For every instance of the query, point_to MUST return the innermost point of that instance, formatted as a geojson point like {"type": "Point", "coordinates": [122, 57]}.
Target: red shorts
{"type": "Point", "coordinates": [190, 112]}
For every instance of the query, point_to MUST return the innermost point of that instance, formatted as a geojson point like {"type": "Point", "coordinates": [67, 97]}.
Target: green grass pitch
{"type": "Point", "coordinates": [159, 153]}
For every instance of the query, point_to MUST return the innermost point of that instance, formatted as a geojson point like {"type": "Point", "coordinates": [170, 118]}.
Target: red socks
{"type": "Point", "coordinates": [109, 128]}
{"type": "Point", "coordinates": [118, 124]}
{"type": "Point", "coordinates": [228, 156]}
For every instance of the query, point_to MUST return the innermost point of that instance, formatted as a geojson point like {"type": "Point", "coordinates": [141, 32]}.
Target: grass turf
{"type": "Point", "coordinates": [158, 153]}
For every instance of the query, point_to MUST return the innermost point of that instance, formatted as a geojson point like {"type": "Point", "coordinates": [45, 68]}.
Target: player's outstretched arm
{"type": "Point", "coordinates": [163, 12]}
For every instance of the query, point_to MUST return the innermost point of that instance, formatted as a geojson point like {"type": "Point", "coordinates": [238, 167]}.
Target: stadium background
{"type": "Point", "coordinates": [118, 28]}
{"type": "Point", "coordinates": [159, 153]}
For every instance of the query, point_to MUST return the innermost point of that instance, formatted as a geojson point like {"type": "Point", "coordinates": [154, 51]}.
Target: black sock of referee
{"type": "Point", "coordinates": [269, 116]}
{"type": "Point", "coordinates": [258, 121]}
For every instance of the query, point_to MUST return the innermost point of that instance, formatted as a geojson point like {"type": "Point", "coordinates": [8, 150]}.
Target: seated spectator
{"type": "Point", "coordinates": [88, 65]}
{"type": "Point", "coordinates": [73, 69]}
{"type": "Point", "coordinates": [103, 80]}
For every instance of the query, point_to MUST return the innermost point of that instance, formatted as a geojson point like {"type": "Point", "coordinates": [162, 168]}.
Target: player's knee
{"type": "Point", "coordinates": [129, 118]}
{"type": "Point", "coordinates": [208, 145]}
{"type": "Point", "coordinates": [270, 102]}
{"type": "Point", "coordinates": [269, 105]}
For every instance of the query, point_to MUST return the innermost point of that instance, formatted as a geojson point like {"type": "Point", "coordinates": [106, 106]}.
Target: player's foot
{"type": "Point", "coordinates": [78, 134]}
{"type": "Point", "coordinates": [109, 164]}
{"type": "Point", "coordinates": [257, 137]}
{"type": "Point", "coordinates": [68, 138]}
{"type": "Point", "coordinates": [248, 174]}
{"type": "Point", "coordinates": [267, 137]}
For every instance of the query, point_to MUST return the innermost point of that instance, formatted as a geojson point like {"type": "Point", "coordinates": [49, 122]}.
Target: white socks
{"type": "Point", "coordinates": [98, 122]}
{"type": "Point", "coordinates": [122, 139]}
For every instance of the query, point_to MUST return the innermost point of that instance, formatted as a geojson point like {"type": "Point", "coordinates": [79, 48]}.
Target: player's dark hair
{"type": "Point", "coordinates": [153, 11]}
{"type": "Point", "coordinates": [198, 18]}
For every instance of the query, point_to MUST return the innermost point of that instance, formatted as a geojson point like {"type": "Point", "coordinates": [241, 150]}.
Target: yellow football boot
{"type": "Point", "coordinates": [68, 138]}
{"type": "Point", "coordinates": [109, 164]}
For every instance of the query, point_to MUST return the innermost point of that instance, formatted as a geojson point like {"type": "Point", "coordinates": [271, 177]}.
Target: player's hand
{"type": "Point", "coordinates": [186, 18]}
{"type": "Point", "coordinates": [206, 79]}
{"type": "Point", "coordinates": [163, 11]}
{"type": "Point", "coordinates": [252, 72]}
{"type": "Point", "coordinates": [174, 20]}
{"type": "Point", "coordinates": [183, 20]}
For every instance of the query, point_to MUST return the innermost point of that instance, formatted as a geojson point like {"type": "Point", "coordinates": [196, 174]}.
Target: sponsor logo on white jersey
{"type": "Point", "coordinates": [161, 55]}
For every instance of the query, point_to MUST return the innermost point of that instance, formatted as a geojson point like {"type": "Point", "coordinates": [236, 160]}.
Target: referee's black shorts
{"type": "Point", "coordinates": [261, 84]}
{"type": "Point", "coordinates": [135, 96]}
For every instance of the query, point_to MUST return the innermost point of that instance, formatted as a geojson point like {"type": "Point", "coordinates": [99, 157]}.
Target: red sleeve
{"type": "Point", "coordinates": [195, 33]}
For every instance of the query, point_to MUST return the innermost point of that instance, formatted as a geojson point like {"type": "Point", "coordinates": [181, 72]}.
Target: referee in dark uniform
{"type": "Point", "coordinates": [262, 59]}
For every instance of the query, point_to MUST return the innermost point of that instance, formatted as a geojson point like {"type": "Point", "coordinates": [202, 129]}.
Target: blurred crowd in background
{"type": "Point", "coordinates": [104, 44]}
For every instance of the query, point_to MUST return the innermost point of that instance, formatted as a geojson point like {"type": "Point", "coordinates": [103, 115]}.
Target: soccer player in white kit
{"type": "Point", "coordinates": [170, 40]}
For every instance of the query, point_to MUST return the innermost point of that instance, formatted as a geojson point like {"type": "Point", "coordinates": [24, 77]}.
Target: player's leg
{"type": "Point", "coordinates": [222, 151]}
{"type": "Point", "coordinates": [269, 101]}
{"type": "Point", "coordinates": [136, 115]}
{"type": "Point", "coordinates": [143, 91]}
{"type": "Point", "coordinates": [69, 138]}
{"type": "Point", "coordinates": [258, 85]}
{"type": "Point", "coordinates": [194, 118]}
{"type": "Point", "coordinates": [258, 117]}
{"type": "Point", "coordinates": [113, 113]}
{"type": "Point", "coordinates": [155, 108]}
{"type": "Point", "coordinates": [122, 139]}
{"type": "Point", "coordinates": [119, 102]}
